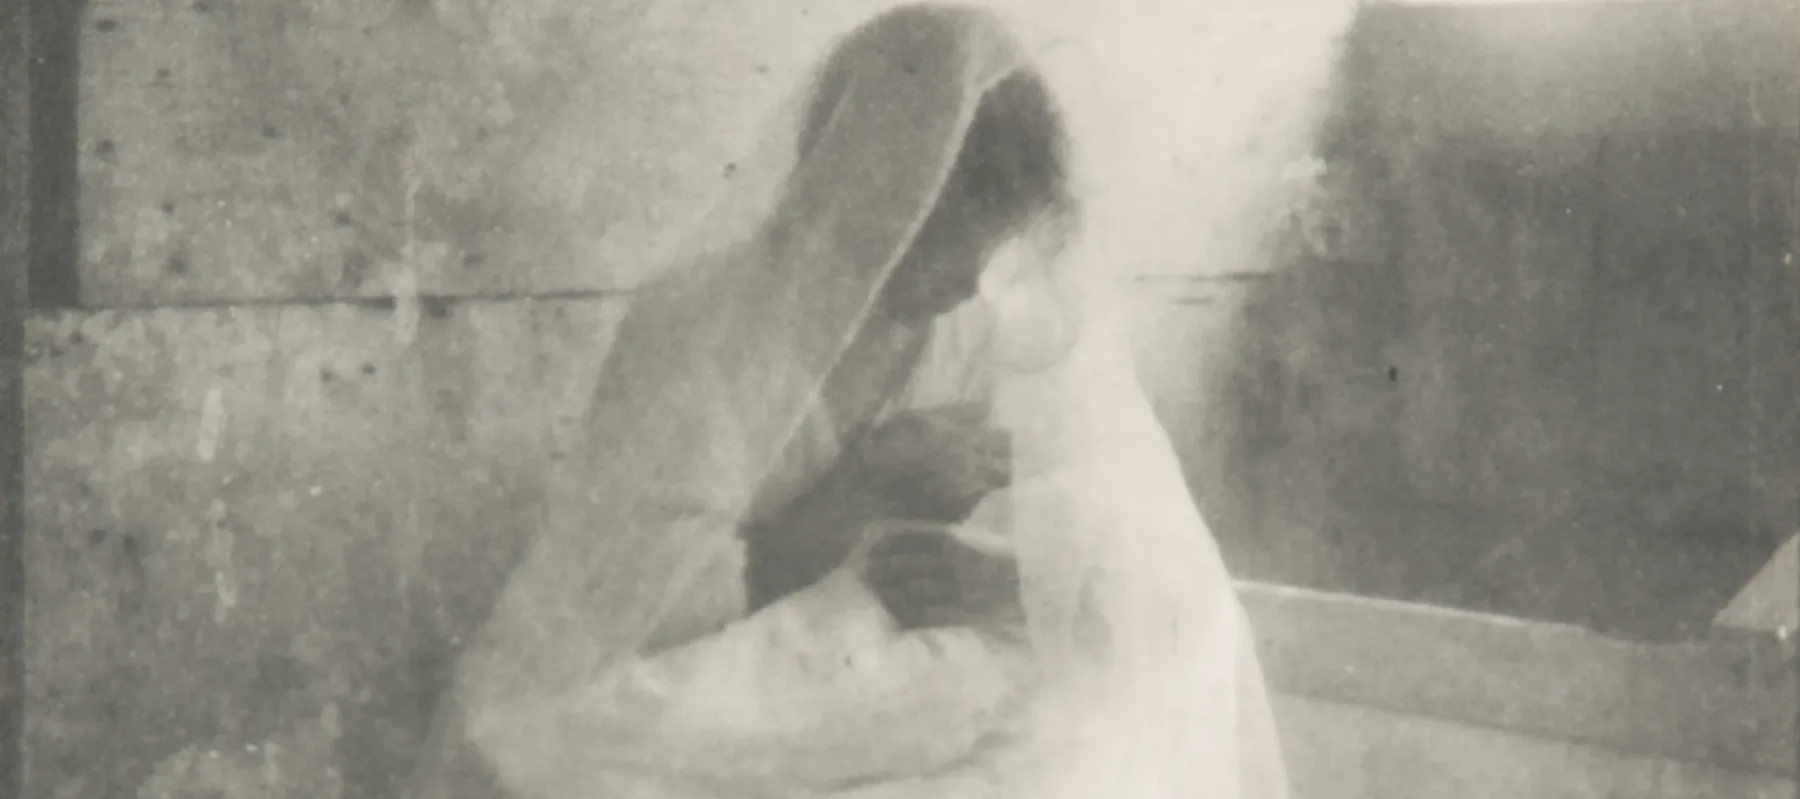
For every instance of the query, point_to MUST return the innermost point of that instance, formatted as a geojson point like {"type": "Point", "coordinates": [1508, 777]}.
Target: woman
{"type": "Point", "coordinates": [815, 377]}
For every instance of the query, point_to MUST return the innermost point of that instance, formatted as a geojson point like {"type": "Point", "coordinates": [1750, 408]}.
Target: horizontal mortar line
{"type": "Point", "coordinates": [390, 301]}
{"type": "Point", "coordinates": [372, 301]}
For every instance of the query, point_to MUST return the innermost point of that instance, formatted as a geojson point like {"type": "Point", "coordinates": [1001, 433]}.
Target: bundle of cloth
{"type": "Point", "coordinates": [871, 503]}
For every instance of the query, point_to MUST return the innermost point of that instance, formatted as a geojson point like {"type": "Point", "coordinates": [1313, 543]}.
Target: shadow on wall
{"type": "Point", "coordinates": [1542, 372]}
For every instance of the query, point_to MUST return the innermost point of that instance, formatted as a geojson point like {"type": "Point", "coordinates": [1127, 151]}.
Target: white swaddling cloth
{"type": "Point", "coordinates": [818, 694]}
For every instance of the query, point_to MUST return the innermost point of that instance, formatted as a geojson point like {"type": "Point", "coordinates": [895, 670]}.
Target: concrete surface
{"type": "Point", "coordinates": [243, 519]}
{"type": "Point", "coordinates": [1529, 349]}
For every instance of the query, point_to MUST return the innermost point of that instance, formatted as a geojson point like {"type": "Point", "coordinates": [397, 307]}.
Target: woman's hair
{"type": "Point", "coordinates": [1014, 160]}
{"type": "Point", "coordinates": [1014, 156]}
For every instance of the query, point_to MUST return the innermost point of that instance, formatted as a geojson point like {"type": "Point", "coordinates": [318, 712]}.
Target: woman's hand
{"type": "Point", "coordinates": [925, 577]}
{"type": "Point", "coordinates": [934, 464]}
{"type": "Point", "coordinates": [931, 466]}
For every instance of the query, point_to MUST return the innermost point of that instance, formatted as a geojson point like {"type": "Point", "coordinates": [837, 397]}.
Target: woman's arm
{"type": "Point", "coordinates": [931, 466]}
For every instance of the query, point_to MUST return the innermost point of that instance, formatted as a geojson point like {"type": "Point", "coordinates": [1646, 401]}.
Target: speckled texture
{"type": "Point", "coordinates": [327, 148]}
{"type": "Point", "coordinates": [266, 528]}
{"type": "Point", "coordinates": [234, 150]}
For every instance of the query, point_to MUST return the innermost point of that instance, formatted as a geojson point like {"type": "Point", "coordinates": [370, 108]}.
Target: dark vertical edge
{"type": "Point", "coordinates": [1790, 136]}
{"type": "Point", "coordinates": [15, 236]}
{"type": "Point", "coordinates": [54, 273]}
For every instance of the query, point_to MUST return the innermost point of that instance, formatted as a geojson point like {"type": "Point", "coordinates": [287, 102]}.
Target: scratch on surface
{"type": "Point", "coordinates": [218, 556]}
{"type": "Point", "coordinates": [406, 283]}
{"type": "Point", "coordinates": [406, 305]}
{"type": "Point", "coordinates": [212, 424]}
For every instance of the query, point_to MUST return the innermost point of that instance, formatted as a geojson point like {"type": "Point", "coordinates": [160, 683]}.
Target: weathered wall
{"type": "Point", "coordinates": [242, 151]}
{"type": "Point", "coordinates": [1540, 361]}
{"type": "Point", "coordinates": [256, 531]}
{"type": "Point", "coordinates": [241, 519]}
{"type": "Point", "coordinates": [235, 151]}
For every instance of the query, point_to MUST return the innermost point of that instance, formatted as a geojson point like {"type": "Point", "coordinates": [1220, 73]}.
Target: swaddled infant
{"type": "Point", "coordinates": [826, 689]}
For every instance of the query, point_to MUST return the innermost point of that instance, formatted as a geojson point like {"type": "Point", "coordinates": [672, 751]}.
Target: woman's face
{"type": "Point", "coordinates": [1036, 319]}
{"type": "Point", "coordinates": [943, 267]}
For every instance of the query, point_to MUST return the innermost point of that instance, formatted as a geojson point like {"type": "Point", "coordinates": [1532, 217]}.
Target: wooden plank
{"type": "Point", "coordinates": [1350, 752]}
{"type": "Point", "coordinates": [16, 51]}
{"type": "Point", "coordinates": [1728, 702]}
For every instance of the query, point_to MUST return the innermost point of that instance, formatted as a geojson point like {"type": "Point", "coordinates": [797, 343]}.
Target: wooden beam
{"type": "Point", "coordinates": [1728, 702]}
{"type": "Point", "coordinates": [15, 169]}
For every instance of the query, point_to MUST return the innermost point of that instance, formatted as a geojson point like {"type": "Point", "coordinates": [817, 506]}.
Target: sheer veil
{"type": "Point", "coordinates": [1152, 686]}
{"type": "Point", "coordinates": [1144, 679]}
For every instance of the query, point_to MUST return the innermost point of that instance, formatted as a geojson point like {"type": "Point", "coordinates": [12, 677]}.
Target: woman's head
{"type": "Point", "coordinates": [1010, 172]}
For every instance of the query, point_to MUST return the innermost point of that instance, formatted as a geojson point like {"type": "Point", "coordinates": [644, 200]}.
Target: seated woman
{"type": "Point", "coordinates": [930, 465]}
{"type": "Point", "coordinates": [800, 561]}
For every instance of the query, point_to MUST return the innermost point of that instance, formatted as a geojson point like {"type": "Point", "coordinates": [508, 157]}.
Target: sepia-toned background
{"type": "Point", "coordinates": [1486, 308]}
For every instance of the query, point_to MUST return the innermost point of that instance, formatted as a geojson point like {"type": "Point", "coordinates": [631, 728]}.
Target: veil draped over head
{"type": "Point", "coordinates": [723, 355]}
{"type": "Point", "coordinates": [709, 410]}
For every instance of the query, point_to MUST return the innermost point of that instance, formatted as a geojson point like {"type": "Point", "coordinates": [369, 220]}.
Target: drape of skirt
{"type": "Point", "coordinates": [820, 697]}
